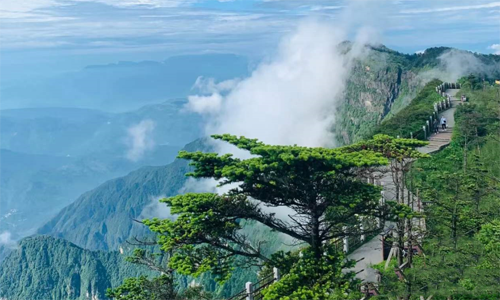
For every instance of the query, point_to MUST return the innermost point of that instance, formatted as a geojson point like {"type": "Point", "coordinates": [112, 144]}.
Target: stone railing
{"type": "Point", "coordinates": [440, 106]}
{"type": "Point", "coordinates": [253, 291]}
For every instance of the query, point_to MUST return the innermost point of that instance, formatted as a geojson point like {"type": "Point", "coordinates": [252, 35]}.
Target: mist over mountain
{"type": "Point", "coordinates": [103, 218]}
{"type": "Point", "coordinates": [122, 86]}
{"type": "Point", "coordinates": [97, 98]}
{"type": "Point", "coordinates": [50, 156]}
{"type": "Point", "coordinates": [382, 82]}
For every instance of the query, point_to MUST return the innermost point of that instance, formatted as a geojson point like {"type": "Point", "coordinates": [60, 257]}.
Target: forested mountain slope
{"type": "Point", "coordinates": [102, 219]}
{"type": "Point", "coordinates": [50, 156]}
{"type": "Point", "coordinates": [384, 81]}
{"type": "Point", "coordinates": [459, 188]}
{"type": "Point", "coordinates": [44, 268]}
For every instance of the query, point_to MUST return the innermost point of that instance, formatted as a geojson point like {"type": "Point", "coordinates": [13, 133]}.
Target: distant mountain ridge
{"type": "Point", "coordinates": [102, 219]}
{"type": "Point", "coordinates": [51, 156]}
{"type": "Point", "coordinates": [126, 85]}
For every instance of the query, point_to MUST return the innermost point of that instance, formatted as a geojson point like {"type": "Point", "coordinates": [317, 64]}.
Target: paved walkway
{"type": "Point", "coordinates": [371, 252]}
{"type": "Point", "coordinates": [442, 139]}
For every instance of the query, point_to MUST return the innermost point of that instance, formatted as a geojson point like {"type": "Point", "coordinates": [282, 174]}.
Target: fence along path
{"type": "Point", "coordinates": [371, 253]}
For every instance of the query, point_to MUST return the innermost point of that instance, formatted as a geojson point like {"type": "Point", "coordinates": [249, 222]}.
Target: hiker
{"type": "Point", "coordinates": [435, 126]}
{"type": "Point", "coordinates": [443, 123]}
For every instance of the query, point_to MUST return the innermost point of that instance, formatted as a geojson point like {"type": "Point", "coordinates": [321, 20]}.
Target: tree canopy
{"type": "Point", "coordinates": [318, 193]}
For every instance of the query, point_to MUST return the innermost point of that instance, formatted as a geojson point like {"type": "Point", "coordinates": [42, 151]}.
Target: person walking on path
{"type": "Point", "coordinates": [443, 123]}
{"type": "Point", "coordinates": [435, 126]}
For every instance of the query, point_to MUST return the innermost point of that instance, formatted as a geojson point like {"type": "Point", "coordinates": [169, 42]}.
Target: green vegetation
{"type": "Point", "coordinates": [375, 83]}
{"type": "Point", "coordinates": [112, 206]}
{"type": "Point", "coordinates": [47, 268]}
{"type": "Point", "coordinates": [411, 118]}
{"type": "Point", "coordinates": [157, 288]}
{"type": "Point", "coordinates": [460, 187]}
{"type": "Point", "coordinates": [384, 81]}
{"type": "Point", "coordinates": [320, 191]}
{"type": "Point", "coordinates": [219, 239]}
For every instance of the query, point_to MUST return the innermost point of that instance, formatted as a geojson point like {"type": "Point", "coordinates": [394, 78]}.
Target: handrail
{"type": "Point", "coordinates": [254, 291]}
{"type": "Point", "coordinates": [440, 106]}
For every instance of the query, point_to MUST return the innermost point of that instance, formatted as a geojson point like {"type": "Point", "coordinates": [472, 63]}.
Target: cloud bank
{"type": "Point", "coordinates": [290, 99]}
{"type": "Point", "coordinates": [495, 48]}
{"type": "Point", "coordinates": [139, 139]}
{"type": "Point", "coordinates": [155, 209]}
{"type": "Point", "coordinates": [454, 64]}
{"type": "Point", "coordinates": [7, 241]}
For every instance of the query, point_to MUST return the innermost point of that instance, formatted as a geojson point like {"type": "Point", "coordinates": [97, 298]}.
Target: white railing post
{"type": "Point", "coordinates": [425, 132]}
{"type": "Point", "coordinates": [276, 274]}
{"type": "Point", "coordinates": [249, 288]}
{"type": "Point", "coordinates": [345, 240]}
{"type": "Point", "coordinates": [381, 202]}
{"type": "Point", "coordinates": [362, 229]}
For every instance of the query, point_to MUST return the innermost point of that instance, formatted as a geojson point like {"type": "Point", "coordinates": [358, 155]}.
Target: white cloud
{"type": "Point", "coordinates": [155, 209]}
{"type": "Point", "coordinates": [495, 48]}
{"type": "Point", "coordinates": [26, 5]}
{"type": "Point", "coordinates": [208, 85]}
{"type": "Point", "coordinates": [205, 104]}
{"type": "Point", "coordinates": [289, 100]}
{"type": "Point", "coordinates": [450, 8]}
{"type": "Point", "coordinates": [7, 241]}
{"type": "Point", "coordinates": [151, 3]}
{"type": "Point", "coordinates": [454, 64]}
{"type": "Point", "coordinates": [139, 139]}
{"type": "Point", "coordinates": [324, 7]}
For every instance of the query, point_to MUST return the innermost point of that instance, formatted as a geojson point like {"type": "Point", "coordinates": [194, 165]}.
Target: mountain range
{"type": "Point", "coordinates": [102, 217]}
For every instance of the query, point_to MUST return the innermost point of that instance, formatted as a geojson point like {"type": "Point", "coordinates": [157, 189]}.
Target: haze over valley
{"type": "Point", "coordinates": [98, 97]}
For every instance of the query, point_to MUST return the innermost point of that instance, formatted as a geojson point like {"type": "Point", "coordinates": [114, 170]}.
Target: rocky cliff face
{"type": "Point", "coordinates": [379, 84]}
{"type": "Point", "coordinates": [384, 82]}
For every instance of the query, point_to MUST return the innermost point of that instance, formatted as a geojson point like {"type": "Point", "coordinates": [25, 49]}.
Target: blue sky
{"type": "Point", "coordinates": [70, 34]}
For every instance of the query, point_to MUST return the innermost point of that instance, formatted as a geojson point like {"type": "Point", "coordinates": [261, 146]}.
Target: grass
{"type": "Point", "coordinates": [412, 117]}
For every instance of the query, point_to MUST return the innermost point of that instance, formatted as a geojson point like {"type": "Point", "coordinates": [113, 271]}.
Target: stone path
{"type": "Point", "coordinates": [442, 139]}
{"type": "Point", "coordinates": [371, 252]}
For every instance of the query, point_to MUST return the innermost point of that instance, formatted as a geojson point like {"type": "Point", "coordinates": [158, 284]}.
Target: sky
{"type": "Point", "coordinates": [70, 34]}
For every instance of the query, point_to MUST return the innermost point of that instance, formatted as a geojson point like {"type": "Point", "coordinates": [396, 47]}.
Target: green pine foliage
{"type": "Point", "coordinates": [460, 187]}
{"type": "Point", "coordinates": [318, 187]}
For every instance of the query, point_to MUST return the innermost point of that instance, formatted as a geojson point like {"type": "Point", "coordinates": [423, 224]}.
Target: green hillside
{"type": "Point", "coordinates": [385, 81]}
{"type": "Point", "coordinates": [51, 156]}
{"type": "Point", "coordinates": [410, 119]}
{"type": "Point", "coordinates": [45, 268]}
{"type": "Point", "coordinates": [102, 219]}
{"type": "Point", "coordinates": [459, 187]}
